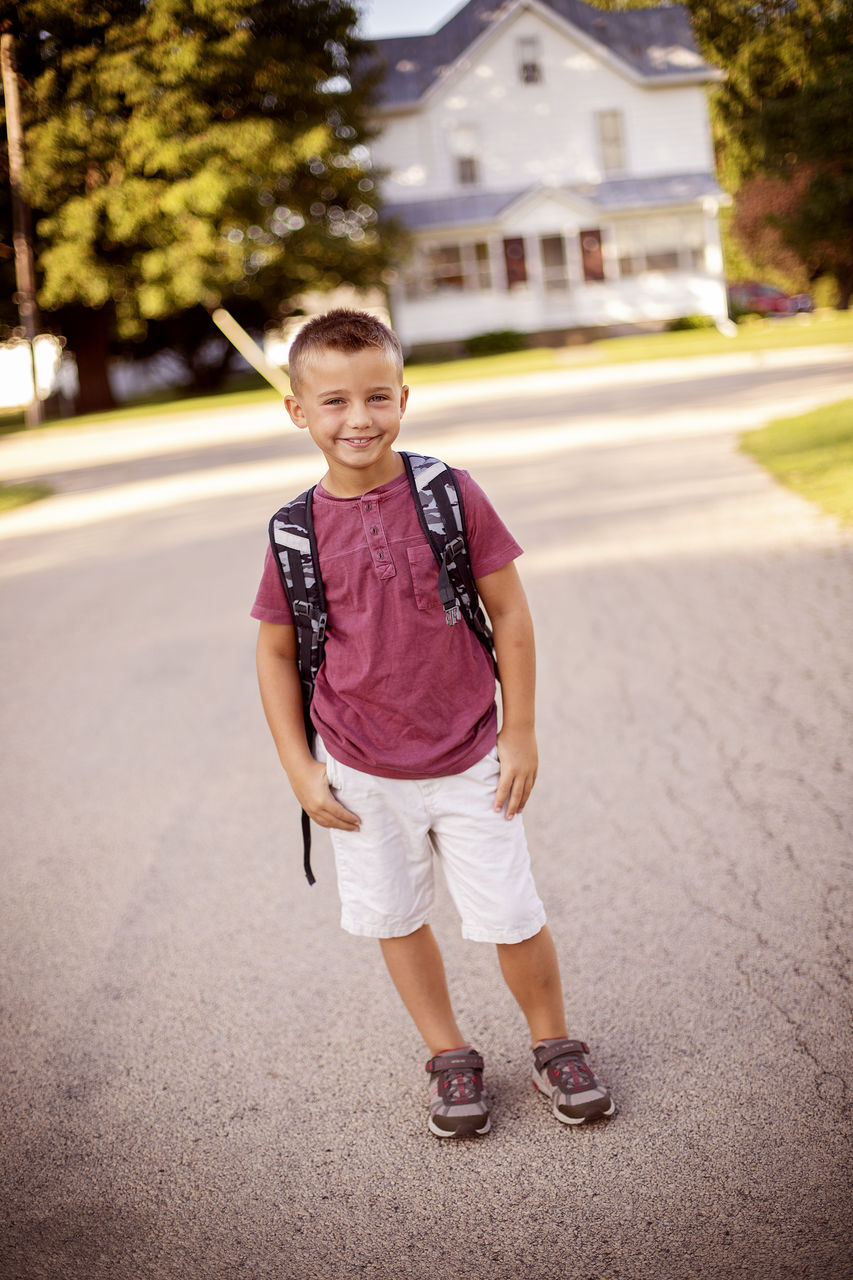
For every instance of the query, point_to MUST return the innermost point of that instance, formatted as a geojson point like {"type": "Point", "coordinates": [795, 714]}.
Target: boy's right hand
{"type": "Point", "coordinates": [311, 788]}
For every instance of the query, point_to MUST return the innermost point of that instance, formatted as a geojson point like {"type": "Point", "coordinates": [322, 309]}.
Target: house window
{"type": "Point", "coordinates": [482, 266]}
{"type": "Point", "coordinates": [529, 54]}
{"type": "Point", "coordinates": [449, 268]}
{"type": "Point", "coordinates": [466, 171]}
{"type": "Point", "coordinates": [445, 267]}
{"type": "Point", "coordinates": [611, 140]}
{"type": "Point", "coordinates": [554, 273]}
{"type": "Point", "coordinates": [663, 243]}
{"type": "Point", "coordinates": [694, 240]}
{"type": "Point", "coordinates": [515, 262]}
{"type": "Point", "coordinates": [629, 250]}
{"type": "Point", "coordinates": [465, 147]}
{"type": "Point", "coordinates": [592, 257]}
{"type": "Point", "coordinates": [662, 260]}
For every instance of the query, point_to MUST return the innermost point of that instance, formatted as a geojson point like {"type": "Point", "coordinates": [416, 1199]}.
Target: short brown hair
{"type": "Point", "coordinates": [341, 330]}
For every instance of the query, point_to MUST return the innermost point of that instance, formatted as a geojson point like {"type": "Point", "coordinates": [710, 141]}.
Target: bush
{"type": "Point", "coordinates": [739, 314]}
{"type": "Point", "coordinates": [434, 353]}
{"type": "Point", "coordinates": [690, 322]}
{"type": "Point", "coordinates": [496, 343]}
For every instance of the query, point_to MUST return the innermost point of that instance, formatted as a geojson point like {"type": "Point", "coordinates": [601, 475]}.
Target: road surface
{"type": "Point", "coordinates": [206, 1079]}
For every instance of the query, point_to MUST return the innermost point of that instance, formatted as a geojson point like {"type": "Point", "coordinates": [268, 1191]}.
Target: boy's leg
{"type": "Point", "coordinates": [417, 971]}
{"type": "Point", "coordinates": [561, 1072]}
{"type": "Point", "coordinates": [532, 973]}
{"type": "Point", "coordinates": [457, 1108]}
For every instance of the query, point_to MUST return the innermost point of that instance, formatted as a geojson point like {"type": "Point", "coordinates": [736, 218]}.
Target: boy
{"type": "Point", "coordinates": [409, 766]}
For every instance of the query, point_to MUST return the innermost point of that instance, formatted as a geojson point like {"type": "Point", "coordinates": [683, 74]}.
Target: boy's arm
{"type": "Point", "coordinates": [281, 695]}
{"type": "Point", "coordinates": [506, 604]}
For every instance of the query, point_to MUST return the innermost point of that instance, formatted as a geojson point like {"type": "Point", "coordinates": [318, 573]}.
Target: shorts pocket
{"type": "Point", "coordinates": [332, 773]}
{"type": "Point", "coordinates": [424, 570]}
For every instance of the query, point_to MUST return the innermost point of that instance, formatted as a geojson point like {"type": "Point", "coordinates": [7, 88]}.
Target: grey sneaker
{"type": "Point", "coordinates": [561, 1073]}
{"type": "Point", "coordinates": [456, 1106]}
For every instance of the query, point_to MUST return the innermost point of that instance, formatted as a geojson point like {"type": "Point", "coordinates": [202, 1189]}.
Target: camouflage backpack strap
{"type": "Point", "coordinates": [438, 502]}
{"type": "Point", "coordinates": [295, 549]}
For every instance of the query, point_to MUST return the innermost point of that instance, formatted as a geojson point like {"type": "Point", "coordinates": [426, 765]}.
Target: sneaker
{"type": "Point", "coordinates": [456, 1106]}
{"type": "Point", "coordinates": [561, 1073]}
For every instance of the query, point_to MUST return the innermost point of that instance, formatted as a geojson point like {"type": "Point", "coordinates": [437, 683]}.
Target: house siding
{"type": "Point", "coordinates": [543, 138]}
{"type": "Point", "coordinates": [665, 130]}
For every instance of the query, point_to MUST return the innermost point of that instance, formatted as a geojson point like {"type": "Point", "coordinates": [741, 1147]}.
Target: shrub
{"type": "Point", "coordinates": [496, 343]}
{"type": "Point", "coordinates": [690, 322]}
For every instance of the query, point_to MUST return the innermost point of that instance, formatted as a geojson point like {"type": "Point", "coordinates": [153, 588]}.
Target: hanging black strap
{"type": "Point", "coordinates": [299, 569]}
{"type": "Point", "coordinates": [306, 848]}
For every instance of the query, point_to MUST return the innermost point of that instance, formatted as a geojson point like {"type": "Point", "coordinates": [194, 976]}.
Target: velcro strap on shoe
{"type": "Point", "coordinates": [457, 1062]}
{"type": "Point", "coordinates": [545, 1053]}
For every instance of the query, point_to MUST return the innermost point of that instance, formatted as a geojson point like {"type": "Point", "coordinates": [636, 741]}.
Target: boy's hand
{"type": "Point", "coordinates": [519, 760]}
{"type": "Point", "coordinates": [311, 788]}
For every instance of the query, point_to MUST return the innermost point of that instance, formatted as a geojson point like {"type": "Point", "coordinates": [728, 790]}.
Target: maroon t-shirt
{"type": "Point", "coordinates": [400, 694]}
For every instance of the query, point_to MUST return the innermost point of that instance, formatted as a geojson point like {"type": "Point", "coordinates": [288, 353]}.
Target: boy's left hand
{"type": "Point", "coordinates": [519, 761]}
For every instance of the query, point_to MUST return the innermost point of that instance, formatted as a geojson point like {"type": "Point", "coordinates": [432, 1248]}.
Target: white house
{"type": "Point", "coordinates": [554, 165]}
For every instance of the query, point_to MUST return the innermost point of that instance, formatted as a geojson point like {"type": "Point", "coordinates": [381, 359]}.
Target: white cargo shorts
{"type": "Point", "coordinates": [386, 869]}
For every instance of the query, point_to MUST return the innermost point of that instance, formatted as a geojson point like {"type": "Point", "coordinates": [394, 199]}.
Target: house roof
{"type": "Point", "coordinates": [616, 195]}
{"type": "Point", "coordinates": [443, 211]}
{"type": "Point", "coordinates": [657, 44]}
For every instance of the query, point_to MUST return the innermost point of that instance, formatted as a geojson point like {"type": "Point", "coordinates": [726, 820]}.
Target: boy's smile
{"type": "Point", "coordinates": [351, 405]}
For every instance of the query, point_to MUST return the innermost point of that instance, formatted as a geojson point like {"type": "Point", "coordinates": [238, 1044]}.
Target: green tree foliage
{"type": "Point", "coordinates": [783, 126]}
{"type": "Point", "coordinates": [184, 154]}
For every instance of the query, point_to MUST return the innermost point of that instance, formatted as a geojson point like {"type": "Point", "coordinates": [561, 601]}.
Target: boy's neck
{"type": "Point", "coordinates": [343, 483]}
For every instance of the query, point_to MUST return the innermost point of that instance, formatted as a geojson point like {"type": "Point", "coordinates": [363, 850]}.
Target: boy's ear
{"type": "Point", "coordinates": [404, 398]}
{"type": "Point", "coordinates": [294, 408]}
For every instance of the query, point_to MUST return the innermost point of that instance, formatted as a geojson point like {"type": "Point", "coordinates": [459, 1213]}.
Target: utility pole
{"type": "Point", "coordinates": [25, 275]}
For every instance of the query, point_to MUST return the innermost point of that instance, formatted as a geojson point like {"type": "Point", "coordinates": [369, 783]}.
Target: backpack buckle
{"type": "Point", "coordinates": [452, 613]}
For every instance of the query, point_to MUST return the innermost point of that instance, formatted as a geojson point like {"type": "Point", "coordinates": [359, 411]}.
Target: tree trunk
{"type": "Point", "coordinates": [845, 290]}
{"type": "Point", "coordinates": [89, 338]}
{"type": "Point", "coordinates": [208, 376]}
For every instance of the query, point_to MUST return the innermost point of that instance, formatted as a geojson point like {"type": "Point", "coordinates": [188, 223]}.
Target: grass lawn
{"type": "Point", "coordinates": [811, 454]}
{"type": "Point", "coordinates": [820, 329]}
{"type": "Point", "coordinates": [18, 495]}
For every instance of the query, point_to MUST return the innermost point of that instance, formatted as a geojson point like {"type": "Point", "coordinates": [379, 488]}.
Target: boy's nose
{"type": "Point", "coordinates": [359, 415]}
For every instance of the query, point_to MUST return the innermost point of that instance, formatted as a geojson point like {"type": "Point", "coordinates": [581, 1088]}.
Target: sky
{"type": "Point", "coordinates": [404, 17]}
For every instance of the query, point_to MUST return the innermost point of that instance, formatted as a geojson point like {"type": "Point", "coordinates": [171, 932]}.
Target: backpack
{"type": "Point", "coordinates": [438, 502]}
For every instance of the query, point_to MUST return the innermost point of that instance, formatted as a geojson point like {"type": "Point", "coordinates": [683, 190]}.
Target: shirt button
{"type": "Point", "coordinates": [368, 506]}
{"type": "Point", "coordinates": [380, 555]}
{"type": "Point", "coordinates": [374, 530]}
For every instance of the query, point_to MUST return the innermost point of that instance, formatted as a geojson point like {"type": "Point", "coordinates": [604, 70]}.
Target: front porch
{"type": "Point", "coordinates": [547, 260]}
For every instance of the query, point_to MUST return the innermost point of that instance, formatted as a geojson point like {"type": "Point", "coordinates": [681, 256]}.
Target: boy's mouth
{"type": "Point", "coordinates": [358, 442]}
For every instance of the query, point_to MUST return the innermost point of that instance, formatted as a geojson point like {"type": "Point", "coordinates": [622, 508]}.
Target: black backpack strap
{"type": "Point", "coordinates": [438, 502]}
{"type": "Point", "coordinates": [294, 546]}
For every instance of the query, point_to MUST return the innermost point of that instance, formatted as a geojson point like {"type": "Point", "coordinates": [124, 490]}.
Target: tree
{"type": "Point", "coordinates": [783, 126]}
{"type": "Point", "coordinates": [185, 154]}
{"type": "Point", "coordinates": [762, 205]}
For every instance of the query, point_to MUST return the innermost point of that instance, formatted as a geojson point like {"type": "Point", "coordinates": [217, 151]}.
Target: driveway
{"type": "Point", "coordinates": [206, 1079]}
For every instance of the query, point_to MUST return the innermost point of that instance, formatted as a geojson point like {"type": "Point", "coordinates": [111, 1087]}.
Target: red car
{"type": "Point", "coordinates": [767, 300]}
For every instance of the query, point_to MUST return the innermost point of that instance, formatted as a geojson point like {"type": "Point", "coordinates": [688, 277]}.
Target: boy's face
{"type": "Point", "coordinates": [351, 405]}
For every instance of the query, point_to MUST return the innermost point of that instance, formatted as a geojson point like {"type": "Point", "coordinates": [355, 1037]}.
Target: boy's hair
{"type": "Point", "coordinates": [341, 330]}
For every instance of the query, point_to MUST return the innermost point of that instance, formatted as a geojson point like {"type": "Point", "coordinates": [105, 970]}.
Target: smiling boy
{"type": "Point", "coordinates": [409, 766]}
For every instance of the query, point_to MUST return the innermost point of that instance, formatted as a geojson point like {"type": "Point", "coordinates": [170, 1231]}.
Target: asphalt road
{"type": "Point", "coordinates": [205, 1078]}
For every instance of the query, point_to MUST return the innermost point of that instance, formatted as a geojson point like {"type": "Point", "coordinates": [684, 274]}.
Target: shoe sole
{"type": "Point", "coordinates": [561, 1115]}
{"type": "Point", "coordinates": [464, 1131]}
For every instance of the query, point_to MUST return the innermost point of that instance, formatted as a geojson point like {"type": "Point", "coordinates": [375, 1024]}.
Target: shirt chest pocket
{"type": "Point", "coordinates": [424, 571]}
